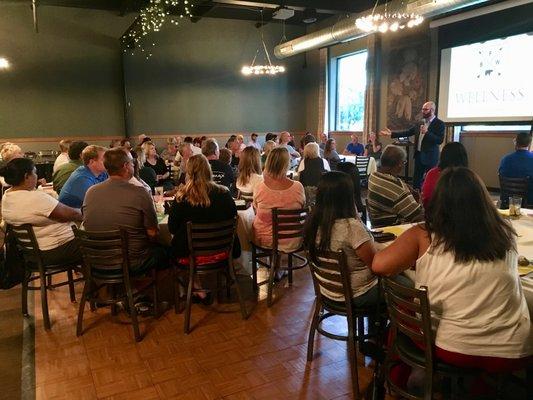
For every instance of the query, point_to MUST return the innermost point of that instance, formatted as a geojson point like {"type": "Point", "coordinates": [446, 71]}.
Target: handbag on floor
{"type": "Point", "coordinates": [12, 267]}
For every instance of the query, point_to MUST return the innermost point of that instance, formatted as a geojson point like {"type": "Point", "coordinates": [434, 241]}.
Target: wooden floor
{"type": "Point", "coordinates": [223, 358]}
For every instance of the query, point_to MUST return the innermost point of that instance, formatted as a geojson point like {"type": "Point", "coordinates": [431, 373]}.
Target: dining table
{"type": "Point", "coordinates": [523, 226]}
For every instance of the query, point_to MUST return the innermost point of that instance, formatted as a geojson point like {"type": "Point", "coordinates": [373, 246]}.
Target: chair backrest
{"type": "Point", "coordinates": [410, 314]}
{"type": "Point", "coordinates": [212, 238]}
{"type": "Point", "coordinates": [287, 224]}
{"type": "Point", "coordinates": [331, 277]}
{"type": "Point", "coordinates": [26, 243]}
{"type": "Point", "coordinates": [513, 187]}
{"type": "Point", "coordinates": [361, 162]}
{"type": "Point", "coordinates": [105, 254]}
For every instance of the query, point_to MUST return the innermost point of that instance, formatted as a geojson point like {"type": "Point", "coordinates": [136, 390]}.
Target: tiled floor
{"type": "Point", "coordinates": [223, 358]}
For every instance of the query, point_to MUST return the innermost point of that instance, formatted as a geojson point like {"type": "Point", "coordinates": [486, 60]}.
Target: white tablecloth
{"type": "Point", "coordinates": [372, 165]}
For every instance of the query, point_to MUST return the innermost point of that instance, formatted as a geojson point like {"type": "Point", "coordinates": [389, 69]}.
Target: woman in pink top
{"type": "Point", "coordinates": [453, 155]}
{"type": "Point", "coordinates": [276, 191]}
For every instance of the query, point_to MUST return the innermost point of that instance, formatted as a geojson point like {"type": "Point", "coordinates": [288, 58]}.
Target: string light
{"type": "Point", "coordinates": [151, 19]}
{"type": "Point", "coordinates": [388, 21]}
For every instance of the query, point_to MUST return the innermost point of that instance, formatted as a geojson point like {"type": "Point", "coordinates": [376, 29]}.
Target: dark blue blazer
{"type": "Point", "coordinates": [429, 150]}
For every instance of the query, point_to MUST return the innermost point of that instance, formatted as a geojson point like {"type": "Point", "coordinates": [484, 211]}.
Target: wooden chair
{"type": "Point", "coordinates": [513, 187]}
{"type": "Point", "coordinates": [107, 264]}
{"type": "Point", "coordinates": [361, 162]}
{"type": "Point", "coordinates": [410, 317]}
{"type": "Point", "coordinates": [286, 224]}
{"type": "Point", "coordinates": [331, 278]}
{"type": "Point", "coordinates": [246, 196]}
{"type": "Point", "coordinates": [207, 240]}
{"type": "Point", "coordinates": [37, 269]}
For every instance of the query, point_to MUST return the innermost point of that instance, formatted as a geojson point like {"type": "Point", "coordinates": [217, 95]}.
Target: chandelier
{"type": "Point", "coordinates": [151, 19]}
{"type": "Point", "coordinates": [388, 21]}
{"type": "Point", "coordinates": [266, 69]}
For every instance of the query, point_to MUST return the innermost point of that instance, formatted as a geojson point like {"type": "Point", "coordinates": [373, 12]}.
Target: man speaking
{"type": "Point", "coordinates": [428, 136]}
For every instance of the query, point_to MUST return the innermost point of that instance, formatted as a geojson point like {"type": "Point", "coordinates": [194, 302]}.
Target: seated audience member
{"type": "Point", "coordinates": [253, 141]}
{"type": "Point", "coordinates": [390, 200]}
{"type": "Point", "coordinates": [373, 148]}
{"type": "Point", "coordinates": [195, 149]}
{"type": "Point", "coordinates": [51, 220]}
{"type": "Point", "coordinates": [114, 143]}
{"type": "Point", "coordinates": [64, 171]}
{"type": "Point", "coordinates": [350, 169]}
{"type": "Point", "coordinates": [136, 179]}
{"type": "Point", "coordinates": [89, 174]}
{"type": "Point", "coordinates": [240, 139]}
{"type": "Point", "coordinates": [250, 174]}
{"type": "Point", "coordinates": [235, 147]}
{"type": "Point", "coordinates": [271, 136]}
{"type": "Point", "coordinates": [222, 173]}
{"type": "Point", "coordinates": [354, 148]}
{"type": "Point", "coordinates": [62, 158]}
{"type": "Point", "coordinates": [284, 141]}
{"type": "Point", "coordinates": [519, 164]}
{"type": "Point", "coordinates": [453, 155]}
{"type": "Point", "coordinates": [152, 160]}
{"type": "Point", "coordinates": [323, 141]}
{"type": "Point", "coordinates": [308, 138]}
{"type": "Point", "coordinates": [9, 151]}
{"type": "Point", "coordinates": [334, 226]}
{"type": "Point", "coordinates": [184, 152]}
{"type": "Point", "coordinates": [312, 166]}
{"type": "Point", "coordinates": [169, 154]}
{"type": "Point", "coordinates": [267, 148]}
{"type": "Point", "coordinates": [126, 144]}
{"type": "Point", "coordinates": [330, 152]}
{"type": "Point", "coordinates": [145, 174]}
{"type": "Point", "coordinates": [465, 254]}
{"type": "Point", "coordinates": [276, 191]}
{"type": "Point", "coordinates": [225, 156]}
{"type": "Point", "coordinates": [116, 204]}
{"type": "Point", "coordinates": [200, 200]}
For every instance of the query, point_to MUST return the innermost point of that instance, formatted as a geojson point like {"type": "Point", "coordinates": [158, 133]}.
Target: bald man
{"type": "Point", "coordinates": [428, 136]}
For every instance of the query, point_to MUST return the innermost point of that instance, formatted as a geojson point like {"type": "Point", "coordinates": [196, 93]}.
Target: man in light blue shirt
{"type": "Point", "coordinates": [520, 163]}
{"type": "Point", "coordinates": [92, 172]}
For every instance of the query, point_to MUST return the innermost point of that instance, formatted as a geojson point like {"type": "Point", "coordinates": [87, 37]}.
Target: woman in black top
{"type": "Point", "coordinates": [158, 165]}
{"type": "Point", "coordinates": [200, 200]}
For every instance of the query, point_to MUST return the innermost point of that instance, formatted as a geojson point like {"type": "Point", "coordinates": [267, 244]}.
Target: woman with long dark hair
{"type": "Point", "coordinates": [350, 169]}
{"type": "Point", "coordinates": [452, 155]}
{"type": "Point", "coordinates": [333, 226]}
{"type": "Point", "coordinates": [465, 254]}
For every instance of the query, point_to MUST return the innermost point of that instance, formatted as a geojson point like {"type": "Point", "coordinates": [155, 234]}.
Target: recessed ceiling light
{"type": "Point", "coordinates": [4, 63]}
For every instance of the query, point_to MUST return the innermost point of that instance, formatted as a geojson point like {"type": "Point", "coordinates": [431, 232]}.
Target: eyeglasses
{"type": "Point", "coordinates": [426, 109]}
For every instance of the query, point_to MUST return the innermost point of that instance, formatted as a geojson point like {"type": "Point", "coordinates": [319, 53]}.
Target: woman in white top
{"type": "Point", "coordinates": [249, 170]}
{"type": "Point", "coordinates": [465, 254]}
{"type": "Point", "coordinates": [63, 157]}
{"type": "Point", "coordinates": [51, 220]}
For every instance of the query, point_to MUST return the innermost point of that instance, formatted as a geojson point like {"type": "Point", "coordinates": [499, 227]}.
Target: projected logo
{"type": "Point", "coordinates": [489, 62]}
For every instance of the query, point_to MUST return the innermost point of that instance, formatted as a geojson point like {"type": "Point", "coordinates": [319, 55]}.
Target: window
{"type": "Point", "coordinates": [350, 96]}
{"type": "Point", "coordinates": [487, 128]}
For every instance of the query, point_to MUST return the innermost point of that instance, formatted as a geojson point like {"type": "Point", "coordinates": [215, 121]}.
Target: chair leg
{"type": "Point", "coordinates": [254, 269]}
{"type": "Point", "coordinates": [312, 330]}
{"type": "Point", "coordinates": [233, 278]}
{"type": "Point", "coordinates": [229, 282]}
{"type": "Point", "coordinates": [187, 321]}
{"type": "Point", "coordinates": [113, 294]}
{"type": "Point", "coordinates": [25, 295]}
{"type": "Point", "coordinates": [71, 286]}
{"type": "Point", "coordinates": [49, 281]}
{"type": "Point", "coordinates": [44, 301]}
{"type": "Point", "coordinates": [352, 354]}
{"type": "Point", "coordinates": [133, 314]}
{"type": "Point", "coordinates": [177, 301]}
{"type": "Point", "coordinates": [289, 267]}
{"type": "Point", "coordinates": [155, 294]}
{"type": "Point", "coordinates": [84, 295]}
{"type": "Point", "coordinates": [274, 265]}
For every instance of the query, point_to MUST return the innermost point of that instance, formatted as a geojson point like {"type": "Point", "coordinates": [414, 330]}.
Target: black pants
{"type": "Point", "coordinates": [68, 253]}
{"type": "Point", "coordinates": [420, 171]}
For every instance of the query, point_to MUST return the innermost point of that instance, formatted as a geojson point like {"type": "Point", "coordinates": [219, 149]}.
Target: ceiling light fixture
{"type": "Point", "coordinates": [4, 63]}
{"type": "Point", "coordinates": [388, 21]}
{"type": "Point", "coordinates": [266, 69]}
{"type": "Point", "coordinates": [310, 16]}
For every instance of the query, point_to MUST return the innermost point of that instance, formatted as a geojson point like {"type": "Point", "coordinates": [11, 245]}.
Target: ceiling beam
{"type": "Point", "coordinates": [325, 7]}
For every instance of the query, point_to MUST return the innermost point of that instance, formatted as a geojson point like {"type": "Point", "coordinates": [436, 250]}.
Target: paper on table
{"type": "Point", "coordinates": [396, 230]}
{"type": "Point", "coordinates": [525, 270]}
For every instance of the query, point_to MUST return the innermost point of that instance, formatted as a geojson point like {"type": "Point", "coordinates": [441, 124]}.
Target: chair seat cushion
{"type": "Point", "coordinates": [409, 350]}
{"type": "Point", "coordinates": [205, 260]}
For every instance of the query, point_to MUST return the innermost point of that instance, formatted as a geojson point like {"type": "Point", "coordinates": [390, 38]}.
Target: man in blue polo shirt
{"type": "Point", "coordinates": [520, 163]}
{"type": "Point", "coordinates": [85, 176]}
{"type": "Point", "coordinates": [354, 148]}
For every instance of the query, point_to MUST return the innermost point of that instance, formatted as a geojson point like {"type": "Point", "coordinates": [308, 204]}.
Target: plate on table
{"type": "Point", "coordinates": [523, 271]}
{"type": "Point", "coordinates": [395, 230]}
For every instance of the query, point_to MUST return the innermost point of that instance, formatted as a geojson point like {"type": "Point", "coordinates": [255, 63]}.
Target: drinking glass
{"type": "Point", "coordinates": [515, 202]}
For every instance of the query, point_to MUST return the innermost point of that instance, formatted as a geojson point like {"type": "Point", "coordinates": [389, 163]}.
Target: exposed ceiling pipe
{"type": "Point", "coordinates": [346, 29]}
{"type": "Point", "coordinates": [34, 9]}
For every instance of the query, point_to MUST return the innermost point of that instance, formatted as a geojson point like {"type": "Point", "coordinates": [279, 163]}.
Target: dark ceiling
{"type": "Point", "coordinates": [229, 9]}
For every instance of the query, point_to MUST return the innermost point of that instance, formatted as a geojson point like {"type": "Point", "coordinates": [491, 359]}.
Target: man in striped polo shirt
{"type": "Point", "coordinates": [390, 200]}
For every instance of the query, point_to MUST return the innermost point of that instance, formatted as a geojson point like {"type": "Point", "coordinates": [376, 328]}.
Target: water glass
{"type": "Point", "coordinates": [515, 202]}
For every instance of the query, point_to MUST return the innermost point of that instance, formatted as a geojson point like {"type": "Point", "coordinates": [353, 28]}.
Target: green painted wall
{"type": "Point", "coordinates": [193, 84]}
{"type": "Point", "coordinates": [65, 80]}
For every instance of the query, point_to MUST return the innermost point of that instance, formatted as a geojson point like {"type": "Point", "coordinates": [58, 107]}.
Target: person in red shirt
{"type": "Point", "coordinates": [453, 155]}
